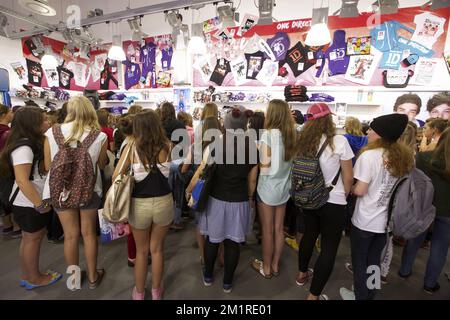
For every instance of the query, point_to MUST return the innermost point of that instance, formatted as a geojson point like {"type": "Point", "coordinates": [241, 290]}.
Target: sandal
{"type": "Point", "coordinates": [96, 283]}
{"type": "Point", "coordinates": [257, 265]}
{"type": "Point", "coordinates": [23, 283]}
{"type": "Point", "coordinates": [55, 277]}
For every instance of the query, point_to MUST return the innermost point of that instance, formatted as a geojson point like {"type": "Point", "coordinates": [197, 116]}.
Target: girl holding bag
{"type": "Point", "coordinates": [152, 204]}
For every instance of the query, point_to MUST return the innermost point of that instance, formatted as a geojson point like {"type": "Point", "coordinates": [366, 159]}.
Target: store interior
{"type": "Point", "coordinates": [356, 56]}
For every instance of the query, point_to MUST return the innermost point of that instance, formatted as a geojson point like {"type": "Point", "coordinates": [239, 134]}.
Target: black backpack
{"type": "Point", "coordinates": [7, 183]}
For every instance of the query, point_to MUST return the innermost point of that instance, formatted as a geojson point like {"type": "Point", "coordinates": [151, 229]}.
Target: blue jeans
{"type": "Point", "coordinates": [366, 248]}
{"type": "Point", "coordinates": [440, 242]}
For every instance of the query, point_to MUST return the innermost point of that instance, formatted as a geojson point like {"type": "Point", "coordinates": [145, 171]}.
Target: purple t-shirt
{"type": "Point", "coordinates": [148, 58]}
{"type": "Point", "coordinates": [132, 74]}
{"type": "Point", "coordinates": [166, 59]}
{"type": "Point", "coordinates": [279, 44]}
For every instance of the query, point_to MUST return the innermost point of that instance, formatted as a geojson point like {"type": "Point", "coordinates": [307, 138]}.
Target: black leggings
{"type": "Point", "coordinates": [231, 259]}
{"type": "Point", "coordinates": [328, 222]}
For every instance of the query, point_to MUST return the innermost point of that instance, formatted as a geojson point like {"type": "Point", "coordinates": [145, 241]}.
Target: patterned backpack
{"type": "Point", "coordinates": [308, 184]}
{"type": "Point", "coordinates": [72, 174]}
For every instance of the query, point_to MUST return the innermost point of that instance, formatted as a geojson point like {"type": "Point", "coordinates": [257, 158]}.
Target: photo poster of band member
{"type": "Point", "coordinates": [276, 55]}
{"type": "Point", "coordinates": [72, 72]}
{"type": "Point", "coordinates": [149, 63]}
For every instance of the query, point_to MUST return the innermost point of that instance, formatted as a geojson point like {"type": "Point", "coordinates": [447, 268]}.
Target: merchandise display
{"type": "Point", "coordinates": [303, 123]}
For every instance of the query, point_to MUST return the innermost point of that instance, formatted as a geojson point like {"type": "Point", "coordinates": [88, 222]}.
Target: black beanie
{"type": "Point", "coordinates": [391, 126]}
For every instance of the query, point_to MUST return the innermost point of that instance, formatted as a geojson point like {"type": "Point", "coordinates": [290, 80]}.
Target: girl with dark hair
{"type": "Point", "coordinates": [436, 165]}
{"type": "Point", "coordinates": [23, 158]}
{"type": "Point", "coordinates": [170, 122]}
{"type": "Point", "coordinates": [152, 202]}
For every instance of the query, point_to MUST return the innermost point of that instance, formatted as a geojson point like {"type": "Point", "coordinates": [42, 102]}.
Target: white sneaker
{"type": "Point", "coordinates": [323, 297]}
{"type": "Point", "coordinates": [347, 294]}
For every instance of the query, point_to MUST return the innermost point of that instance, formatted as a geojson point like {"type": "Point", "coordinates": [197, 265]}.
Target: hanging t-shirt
{"type": "Point", "coordinates": [297, 59]}
{"type": "Point", "coordinates": [132, 74]}
{"type": "Point", "coordinates": [51, 74]}
{"type": "Point", "coordinates": [428, 29]}
{"type": "Point", "coordinates": [371, 209]}
{"type": "Point", "coordinates": [148, 58]}
{"type": "Point", "coordinates": [65, 77]}
{"type": "Point", "coordinates": [279, 44]}
{"type": "Point", "coordinates": [32, 48]}
{"type": "Point", "coordinates": [220, 71]}
{"type": "Point", "coordinates": [166, 59]}
{"type": "Point", "coordinates": [255, 63]}
{"type": "Point", "coordinates": [391, 59]}
{"type": "Point", "coordinates": [385, 36]}
{"type": "Point", "coordinates": [336, 54]}
{"type": "Point", "coordinates": [80, 72]}
{"type": "Point", "coordinates": [34, 73]}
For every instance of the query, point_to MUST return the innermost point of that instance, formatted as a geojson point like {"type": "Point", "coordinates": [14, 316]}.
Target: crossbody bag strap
{"type": "Point", "coordinates": [130, 149]}
{"type": "Point", "coordinates": [322, 149]}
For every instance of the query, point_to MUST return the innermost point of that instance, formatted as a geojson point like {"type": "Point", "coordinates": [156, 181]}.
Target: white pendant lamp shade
{"type": "Point", "coordinates": [319, 35]}
{"type": "Point", "coordinates": [48, 61]}
{"type": "Point", "coordinates": [197, 45]}
{"type": "Point", "coordinates": [116, 52]}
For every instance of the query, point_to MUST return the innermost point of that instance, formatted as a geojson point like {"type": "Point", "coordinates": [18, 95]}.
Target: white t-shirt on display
{"type": "Point", "coordinates": [330, 163]}
{"type": "Point", "coordinates": [428, 29]}
{"type": "Point", "coordinates": [274, 183]}
{"type": "Point", "coordinates": [24, 155]}
{"type": "Point", "coordinates": [371, 209]}
{"type": "Point", "coordinates": [94, 152]}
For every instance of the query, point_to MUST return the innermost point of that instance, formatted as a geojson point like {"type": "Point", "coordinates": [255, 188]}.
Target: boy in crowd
{"type": "Point", "coordinates": [439, 106]}
{"type": "Point", "coordinates": [410, 105]}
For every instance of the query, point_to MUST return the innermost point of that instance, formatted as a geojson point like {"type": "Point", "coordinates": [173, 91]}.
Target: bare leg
{"type": "Point", "coordinates": [157, 237]}
{"type": "Point", "coordinates": [267, 214]}
{"type": "Point", "coordinates": [142, 238]}
{"type": "Point", "coordinates": [278, 237]}
{"type": "Point", "coordinates": [89, 232]}
{"type": "Point", "coordinates": [71, 225]}
{"type": "Point", "coordinates": [29, 257]}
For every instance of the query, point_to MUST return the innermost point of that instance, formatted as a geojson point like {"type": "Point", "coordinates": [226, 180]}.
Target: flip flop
{"type": "Point", "coordinates": [55, 278]}
{"type": "Point", "coordinates": [257, 265]}
{"type": "Point", "coordinates": [23, 283]}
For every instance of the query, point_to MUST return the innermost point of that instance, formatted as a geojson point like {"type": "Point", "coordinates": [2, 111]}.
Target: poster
{"type": "Point", "coordinates": [181, 99]}
{"type": "Point", "coordinates": [268, 73]}
{"type": "Point", "coordinates": [424, 71]}
{"type": "Point", "coordinates": [211, 24]}
{"type": "Point", "coordinates": [247, 23]}
{"type": "Point", "coordinates": [52, 77]}
{"type": "Point", "coordinates": [19, 69]}
{"type": "Point", "coordinates": [447, 60]}
{"type": "Point", "coordinates": [205, 67]}
{"type": "Point", "coordinates": [239, 70]}
{"type": "Point", "coordinates": [358, 46]}
{"type": "Point", "coordinates": [362, 68]}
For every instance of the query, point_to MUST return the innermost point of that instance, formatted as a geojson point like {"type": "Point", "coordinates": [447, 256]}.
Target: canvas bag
{"type": "Point", "coordinates": [118, 199]}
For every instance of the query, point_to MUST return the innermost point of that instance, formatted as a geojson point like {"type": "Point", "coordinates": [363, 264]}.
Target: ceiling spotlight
{"type": "Point", "coordinates": [386, 6]}
{"type": "Point", "coordinates": [265, 12]}
{"type": "Point", "coordinates": [174, 19]}
{"type": "Point", "coordinates": [319, 35]}
{"type": "Point", "coordinates": [135, 26]}
{"type": "Point", "coordinates": [40, 7]}
{"type": "Point", "coordinates": [349, 9]}
{"type": "Point", "coordinates": [3, 25]}
{"type": "Point", "coordinates": [227, 16]}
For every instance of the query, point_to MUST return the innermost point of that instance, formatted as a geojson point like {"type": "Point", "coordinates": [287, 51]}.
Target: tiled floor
{"type": "Point", "coordinates": [183, 275]}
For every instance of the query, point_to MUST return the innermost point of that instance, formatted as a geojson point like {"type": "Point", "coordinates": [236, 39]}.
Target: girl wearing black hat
{"type": "Point", "coordinates": [382, 162]}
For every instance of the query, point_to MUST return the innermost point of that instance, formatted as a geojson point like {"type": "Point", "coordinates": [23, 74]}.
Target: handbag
{"type": "Point", "coordinates": [118, 199]}
{"type": "Point", "coordinates": [202, 189]}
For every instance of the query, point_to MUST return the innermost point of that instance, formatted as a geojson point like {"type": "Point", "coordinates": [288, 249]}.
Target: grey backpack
{"type": "Point", "coordinates": [411, 209]}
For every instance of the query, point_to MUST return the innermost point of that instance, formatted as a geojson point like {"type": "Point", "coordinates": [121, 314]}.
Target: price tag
{"type": "Point", "coordinates": [381, 35]}
{"type": "Point", "coordinates": [301, 66]}
{"type": "Point", "coordinates": [310, 55]}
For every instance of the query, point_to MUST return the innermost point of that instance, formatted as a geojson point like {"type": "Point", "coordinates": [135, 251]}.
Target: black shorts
{"type": "Point", "coordinates": [29, 220]}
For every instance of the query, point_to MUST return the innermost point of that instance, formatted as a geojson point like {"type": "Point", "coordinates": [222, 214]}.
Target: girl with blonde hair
{"type": "Point", "coordinates": [277, 148]}
{"type": "Point", "coordinates": [354, 135]}
{"type": "Point", "coordinates": [80, 123]}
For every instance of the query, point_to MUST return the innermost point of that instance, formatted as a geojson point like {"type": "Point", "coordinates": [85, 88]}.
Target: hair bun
{"type": "Point", "coordinates": [236, 113]}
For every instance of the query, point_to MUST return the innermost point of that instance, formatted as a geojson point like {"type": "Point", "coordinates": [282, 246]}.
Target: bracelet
{"type": "Point", "coordinates": [42, 207]}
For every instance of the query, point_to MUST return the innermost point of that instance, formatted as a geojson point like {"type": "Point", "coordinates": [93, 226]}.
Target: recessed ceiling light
{"type": "Point", "coordinates": [40, 7]}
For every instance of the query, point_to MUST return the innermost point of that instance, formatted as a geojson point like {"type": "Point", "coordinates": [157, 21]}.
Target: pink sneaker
{"type": "Point", "coordinates": [136, 295]}
{"type": "Point", "coordinates": [157, 294]}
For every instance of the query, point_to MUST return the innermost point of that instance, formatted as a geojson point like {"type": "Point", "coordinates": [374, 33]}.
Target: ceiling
{"type": "Point", "coordinates": [156, 25]}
